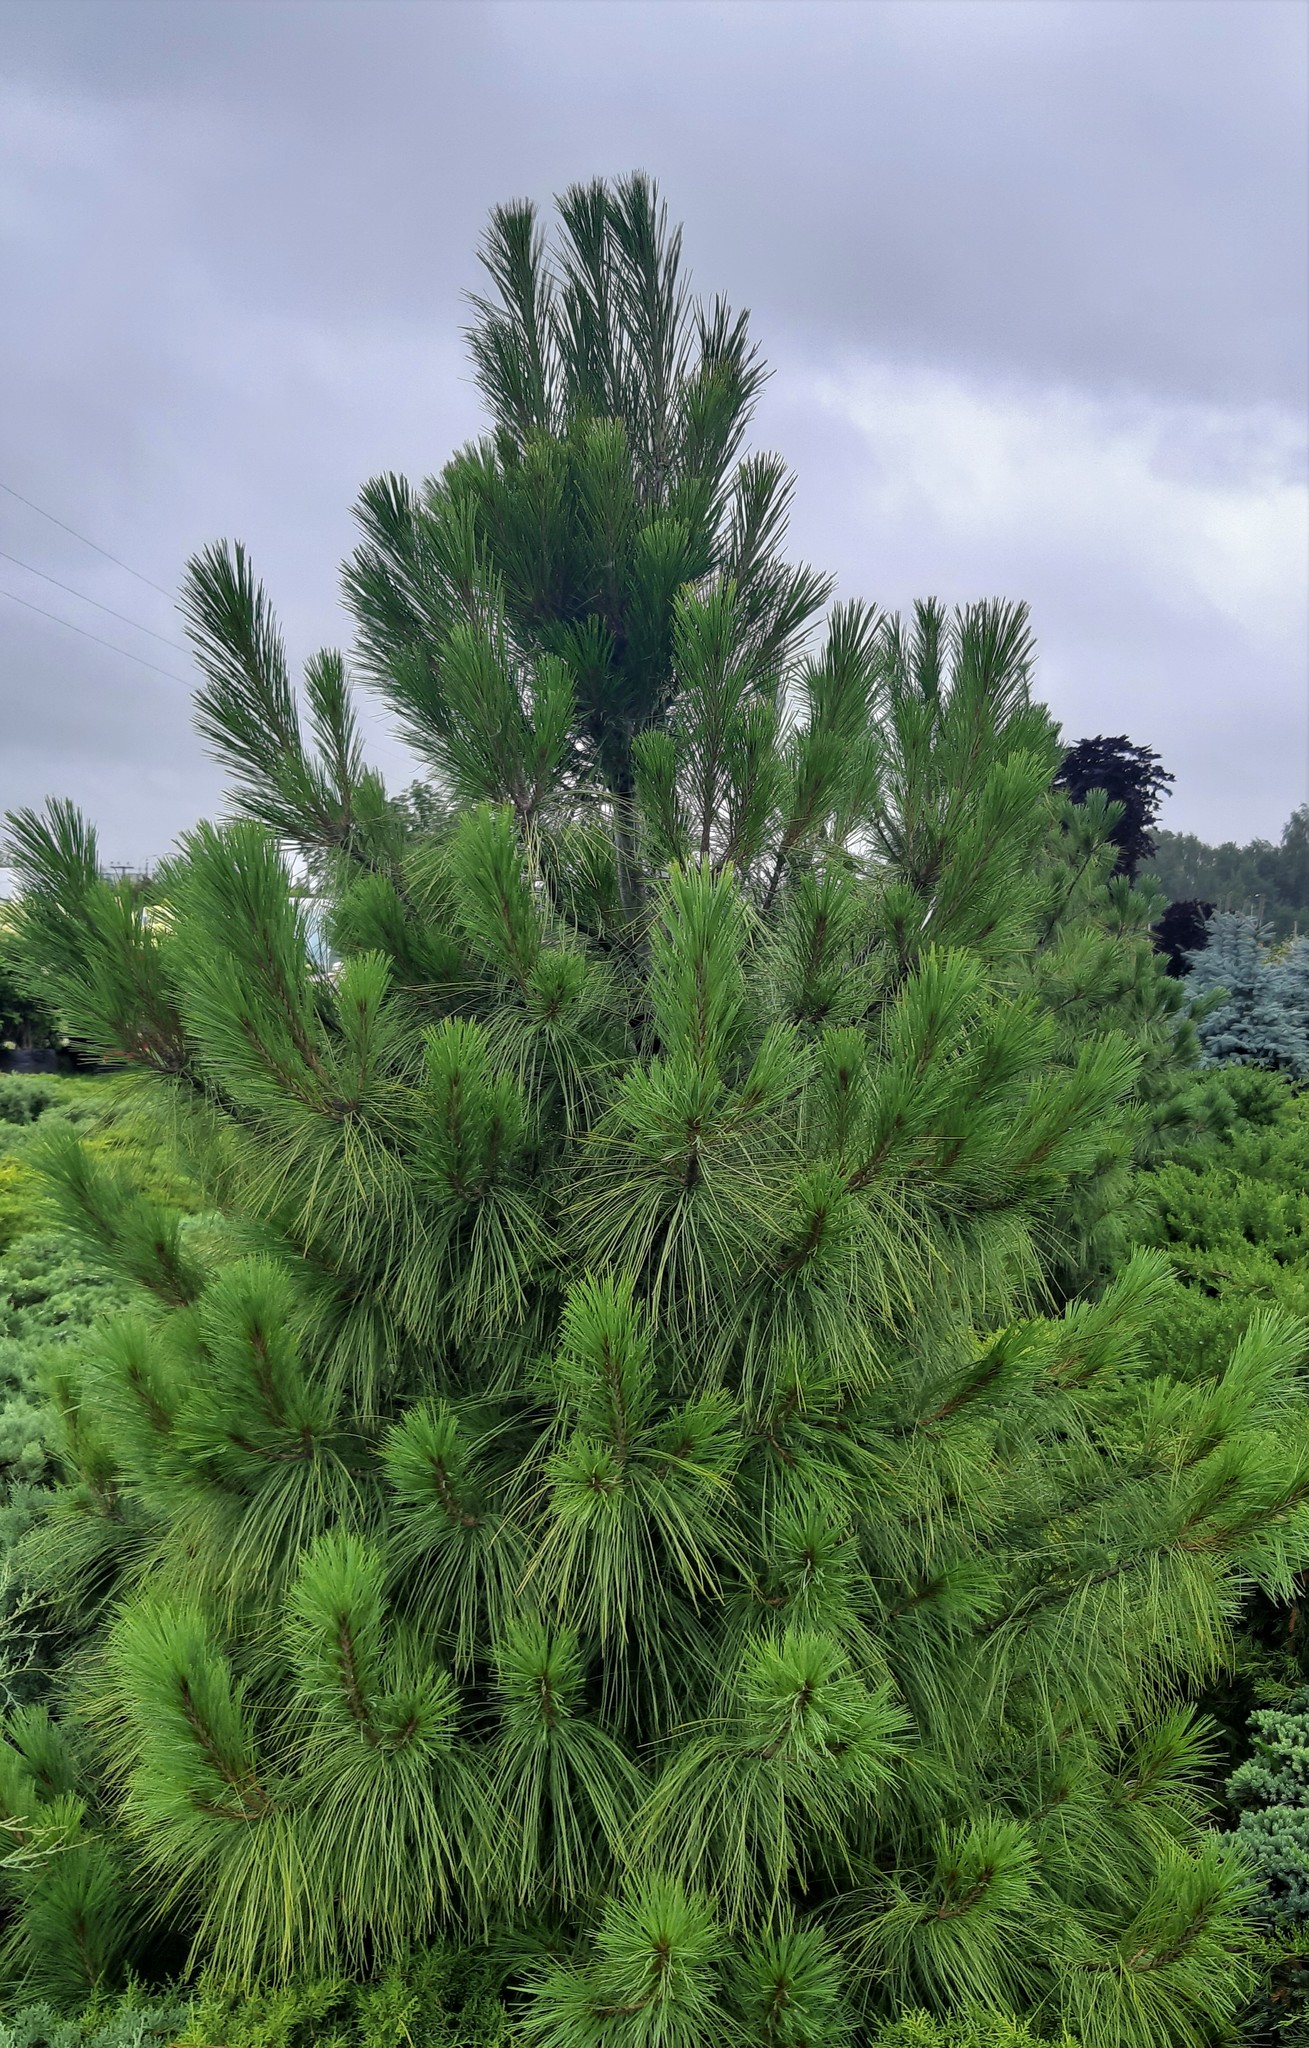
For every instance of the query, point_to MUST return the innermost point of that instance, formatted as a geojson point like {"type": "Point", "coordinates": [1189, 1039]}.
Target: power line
{"type": "Point", "coordinates": [14, 598]}
{"type": "Point", "coordinates": [84, 599]}
{"type": "Point", "coordinates": [32, 507]}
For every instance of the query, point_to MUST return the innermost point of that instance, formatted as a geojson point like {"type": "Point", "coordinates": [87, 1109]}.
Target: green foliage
{"type": "Point", "coordinates": [1271, 1794]}
{"type": "Point", "coordinates": [654, 1467]}
{"type": "Point", "coordinates": [23, 1098]}
{"type": "Point", "coordinates": [443, 1999]}
{"type": "Point", "coordinates": [445, 1588]}
{"type": "Point", "coordinates": [52, 1288]}
{"type": "Point", "coordinates": [985, 2030]}
{"type": "Point", "coordinates": [134, 2021]}
{"type": "Point", "coordinates": [26, 1018]}
{"type": "Point", "coordinates": [1229, 1206]}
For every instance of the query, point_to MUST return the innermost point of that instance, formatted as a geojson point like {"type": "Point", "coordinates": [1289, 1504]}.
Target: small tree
{"type": "Point", "coordinates": [628, 1475]}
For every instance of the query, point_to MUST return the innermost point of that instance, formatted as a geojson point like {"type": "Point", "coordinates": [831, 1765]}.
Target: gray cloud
{"type": "Point", "coordinates": [1032, 277]}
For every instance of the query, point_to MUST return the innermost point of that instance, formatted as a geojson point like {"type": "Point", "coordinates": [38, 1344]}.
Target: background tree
{"type": "Point", "coordinates": [629, 1473]}
{"type": "Point", "coordinates": [1267, 881]}
{"type": "Point", "coordinates": [1130, 777]}
{"type": "Point", "coordinates": [1181, 931]}
{"type": "Point", "coordinates": [25, 1019]}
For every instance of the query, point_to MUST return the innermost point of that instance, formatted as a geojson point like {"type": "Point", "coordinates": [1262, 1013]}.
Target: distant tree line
{"type": "Point", "coordinates": [1270, 881]}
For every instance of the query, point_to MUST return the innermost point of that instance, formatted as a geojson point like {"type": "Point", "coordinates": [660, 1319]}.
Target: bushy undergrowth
{"type": "Point", "coordinates": [446, 2000]}
{"type": "Point", "coordinates": [23, 1098]}
{"type": "Point", "coordinates": [51, 1292]}
{"type": "Point", "coordinates": [1229, 1208]}
{"type": "Point", "coordinates": [106, 1114]}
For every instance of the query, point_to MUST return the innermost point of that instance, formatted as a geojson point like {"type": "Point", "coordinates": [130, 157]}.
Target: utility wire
{"type": "Point", "coordinates": [82, 597]}
{"type": "Point", "coordinates": [32, 507]}
{"type": "Point", "coordinates": [13, 596]}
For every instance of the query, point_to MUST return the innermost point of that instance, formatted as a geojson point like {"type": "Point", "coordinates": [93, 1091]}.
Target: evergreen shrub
{"type": "Point", "coordinates": [22, 1100]}
{"type": "Point", "coordinates": [1270, 1792]}
{"type": "Point", "coordinates": [1255, 997]}
{"type": "Point", "coordinates": [1228, 1205]}
{"type": "Point", "coordinates": [425, 2006]}
{"type": "Point", "coordinates": [444, 1999]}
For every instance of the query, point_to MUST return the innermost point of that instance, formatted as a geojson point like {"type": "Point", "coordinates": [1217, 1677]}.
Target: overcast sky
{"type": "Point", "coordinates": [1032, 276]}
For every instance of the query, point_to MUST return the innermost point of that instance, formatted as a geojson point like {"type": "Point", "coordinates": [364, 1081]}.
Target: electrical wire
{"type": "Point", "coordinates": [14, 598]}
{"type": "Point", "coordinates": [34, 507]}
{"type": "Point", "coordinates": [82, 597]}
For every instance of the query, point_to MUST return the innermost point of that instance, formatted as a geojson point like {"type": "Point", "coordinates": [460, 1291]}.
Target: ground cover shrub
{"type": "Point", "coordinates": [23, 1098]}
{"type": "Point", "coordinates": [51, 1291]}
{"type": "Point", "coordinates": [445, 1999]}
{"type": "Point", "coordinates": [985, 2030]}
{"type": "Point", "coordinates": [636, 1477]}
{"type": "Point", "coordinates": [104, 1111]}
{"type": "Point", "coordinates": [48, 1291]}
{"type": "Point", "coordinates": [442, 2002]}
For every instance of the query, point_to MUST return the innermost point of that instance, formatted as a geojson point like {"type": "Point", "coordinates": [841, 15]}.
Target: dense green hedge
{"type": "Point", "coordinates": [1230, 1210]}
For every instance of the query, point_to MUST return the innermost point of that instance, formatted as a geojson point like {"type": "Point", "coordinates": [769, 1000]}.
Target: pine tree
{"type": "Point", "coordinates": [626, 1472]}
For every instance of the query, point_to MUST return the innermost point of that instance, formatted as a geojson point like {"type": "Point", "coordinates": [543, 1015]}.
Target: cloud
{"type": "Point", "coordinates": [1031, 276]}
{"type": "Point", "coordinates": [1148, 538]}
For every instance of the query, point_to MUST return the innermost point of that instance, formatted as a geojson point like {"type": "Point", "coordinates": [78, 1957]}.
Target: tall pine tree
{"type": "Point", "coordinates": [626, 1469]}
